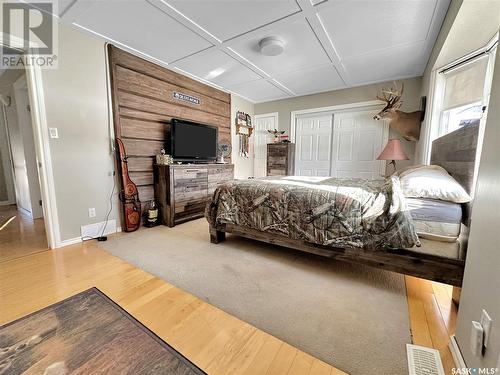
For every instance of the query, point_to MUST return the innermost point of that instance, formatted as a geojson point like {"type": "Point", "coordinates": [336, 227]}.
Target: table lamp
{"type": "Point", "coordinates": [393, 151]}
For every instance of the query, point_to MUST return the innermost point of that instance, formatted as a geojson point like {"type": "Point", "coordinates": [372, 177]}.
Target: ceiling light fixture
{"type": "Point", "coordinates": [271, 46]}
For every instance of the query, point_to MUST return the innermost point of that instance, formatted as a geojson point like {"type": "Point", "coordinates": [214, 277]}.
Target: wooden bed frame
{"type": "Point", "coordinates": [456, 152]}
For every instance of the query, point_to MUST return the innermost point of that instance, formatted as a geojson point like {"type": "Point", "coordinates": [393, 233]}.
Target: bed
{"type": "Point", "coordinates": [362, 221]}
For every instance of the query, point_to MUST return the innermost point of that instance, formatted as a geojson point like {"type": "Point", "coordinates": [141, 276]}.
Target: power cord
{"type": "Point", "coordinates": [102, 237]}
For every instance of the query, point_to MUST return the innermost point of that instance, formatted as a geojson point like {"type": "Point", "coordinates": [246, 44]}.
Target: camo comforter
{"type": "Point", "coordinates": [328, 211]}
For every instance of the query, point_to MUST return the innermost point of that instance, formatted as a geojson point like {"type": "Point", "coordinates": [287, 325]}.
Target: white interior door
{"type": "Point", "coordinates": [24, 155]}
{"type": "Point", "coordinates": [262, 124]}
{"type": "Point", "coordinates": [358, 139]}
{"type": "Point", "coordinates": [313, 145]}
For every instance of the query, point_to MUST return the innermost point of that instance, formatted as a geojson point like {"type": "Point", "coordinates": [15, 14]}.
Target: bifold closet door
{"type": "Point", "coordinates": [357, 141]}
{"type": "Point", "coordinates": [313, 148]}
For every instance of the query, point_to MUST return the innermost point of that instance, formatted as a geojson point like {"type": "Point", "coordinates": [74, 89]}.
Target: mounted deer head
{"type": "Point", "coordinates": [406, 124]}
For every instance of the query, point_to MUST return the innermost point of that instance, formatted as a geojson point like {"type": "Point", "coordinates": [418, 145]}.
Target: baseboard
{"type": "Point", "coordinates": [76, 240]}
{"type": "Point", "coordinates": [71, 241]}
{"type": "Point", "coordinates": [456, 353]}
{"type": "Point", "coordinates": [7, 203]}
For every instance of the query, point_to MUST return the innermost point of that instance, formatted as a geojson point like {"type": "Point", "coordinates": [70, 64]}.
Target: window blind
{"type": "Point", "coordinates": [465, 84]}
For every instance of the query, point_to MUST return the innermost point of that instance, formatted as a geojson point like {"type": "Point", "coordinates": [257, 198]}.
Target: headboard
{"type": "Point", "coordinates": [456, 152]}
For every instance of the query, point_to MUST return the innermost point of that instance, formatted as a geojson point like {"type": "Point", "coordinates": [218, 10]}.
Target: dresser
{"type": "Point", "coordinates": [280, 159]}
{"type": "Point", "coordinates": [182, 191]}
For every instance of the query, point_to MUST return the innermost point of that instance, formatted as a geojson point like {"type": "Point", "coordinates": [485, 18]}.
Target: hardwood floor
{"type": "Point", "coordinates": [433, 316]}
{"type": "Point", "coordinates": [215, 341]}
{"type": "Point", "coordinates": [21, 236]}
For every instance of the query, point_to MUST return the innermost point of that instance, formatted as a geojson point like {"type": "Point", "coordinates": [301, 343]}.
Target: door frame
{"type": "Point", "coordinates": [358, 106]}
{"type": "Point", "coordinates": [42, 146]}
{"type": "Point", "coordinates": [11, 188]}
{"type": "Point", "coordinates": [276, 122]}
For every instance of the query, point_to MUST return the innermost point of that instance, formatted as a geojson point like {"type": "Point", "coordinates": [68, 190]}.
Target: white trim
{"type": "Point", "coordinates": [8, 163]}
{"type": "Point", "coordinates": [42, 148]}
{"type": "Point", "coordinates": [7, 203]}
{"type": "Point", "coordinates": [436, 93]}
{"type": "Point", "coordinates": [71, 241]}
{"type": "Point", "coordinates": [334, 108]}
{"type": "Point", "coordinates": [456, 353]}
{"type": "Point", "coordinates": [270, 114]}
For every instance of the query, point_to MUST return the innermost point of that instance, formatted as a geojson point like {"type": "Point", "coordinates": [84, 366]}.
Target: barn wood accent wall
{"type": "Point", "coordinates": [143, 105]}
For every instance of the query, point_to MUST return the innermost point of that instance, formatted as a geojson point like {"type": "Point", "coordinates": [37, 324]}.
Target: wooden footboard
{"type": "Point", "coordinates": [431, 267]}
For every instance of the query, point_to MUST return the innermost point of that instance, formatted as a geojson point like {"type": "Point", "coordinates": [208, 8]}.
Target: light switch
{"type": "Point", "coordinates": [476, 338]}
{"type": "Point", "coordinates": [53, 133]}
{"type": "Point", "coordinates": [486, 324]}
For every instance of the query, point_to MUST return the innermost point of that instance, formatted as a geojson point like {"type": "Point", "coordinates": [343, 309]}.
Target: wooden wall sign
{"type": "Point", "coordinates": [186, 98]}
{"type": "Point", "coordinates": [144, 104]}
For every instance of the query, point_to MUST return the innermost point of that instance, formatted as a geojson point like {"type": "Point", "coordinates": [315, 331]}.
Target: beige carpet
{"type": "Point", "coordinates": [351, 316]}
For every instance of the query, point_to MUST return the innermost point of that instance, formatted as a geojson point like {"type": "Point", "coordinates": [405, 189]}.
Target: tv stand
{"type": "Point", "coordinates": [183, 190]}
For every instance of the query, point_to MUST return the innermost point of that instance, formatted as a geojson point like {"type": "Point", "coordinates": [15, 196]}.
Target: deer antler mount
{"type": "Point", "coordinates": [406, 124]}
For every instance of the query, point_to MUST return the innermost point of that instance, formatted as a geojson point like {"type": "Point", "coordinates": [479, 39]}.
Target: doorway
{"type": "Point", "coordinates": [341, 143]}
{"type": "Point", "coordinates": [262, 137]}
{"type": "Point", "coordinates": [22, 226]}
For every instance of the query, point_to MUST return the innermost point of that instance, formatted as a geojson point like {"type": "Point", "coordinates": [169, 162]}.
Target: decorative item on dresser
{"type": "Point", "coordinates": [280, 159]}
{"type": "Point", "coordinates": [182, 190]}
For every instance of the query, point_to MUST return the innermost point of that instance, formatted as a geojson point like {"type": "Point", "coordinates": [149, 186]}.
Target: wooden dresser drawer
{"type": "Point", "coordinates": [186, 175]}
{"type": "Point", "coordinates": [183, 191]}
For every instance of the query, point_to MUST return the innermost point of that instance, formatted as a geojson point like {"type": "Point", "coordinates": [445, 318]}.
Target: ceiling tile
{"type": "Point", "coordinates": [142, 26]}
{"type": "Point", "coordinates": [302, 49]}
{"type": "Point", "coordinates": [310, 80]}
{"type": "Point", "coordinates": [384, 65]}
{"type": "Point", "coordinates": [215, 66]}
{"type": "Point", "coordinates": [359, 27]}
{"type": "Point", "coordinates": [226, 19]}
{"type": "Point", "coordinates": [258, 91]}
{"type": "Point", "coordinates": [63, 5]}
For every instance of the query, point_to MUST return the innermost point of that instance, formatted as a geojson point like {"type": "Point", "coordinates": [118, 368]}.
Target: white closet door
{"type": "Point", "coordinates": [261, 138]}
{"type": "Point", "coordinates": [313, 148]}
{"type": "Point", "coordinates": [358, 140]}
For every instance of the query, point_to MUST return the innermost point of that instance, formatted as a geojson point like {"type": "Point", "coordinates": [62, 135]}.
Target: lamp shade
{"type": "Point", "coordinates": [393, 151]}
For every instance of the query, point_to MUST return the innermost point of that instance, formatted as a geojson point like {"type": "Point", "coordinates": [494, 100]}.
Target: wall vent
{"type": "Point", "coordinates": [423, 361]}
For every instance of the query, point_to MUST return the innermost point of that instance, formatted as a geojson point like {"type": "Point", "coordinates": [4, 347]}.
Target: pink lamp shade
{"type": "Point", "coordinates": [393, 151]}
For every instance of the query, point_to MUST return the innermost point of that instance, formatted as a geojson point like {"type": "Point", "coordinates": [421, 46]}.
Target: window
{"type": "Point", "coordinates": [459, 97]}
{"type": "Point", "coordinates": [463, 96]}
{"type": "Point", "coordinates": [455, 118]}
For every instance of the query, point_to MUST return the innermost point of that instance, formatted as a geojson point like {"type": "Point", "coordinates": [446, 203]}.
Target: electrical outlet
{"type": "Point", "coordinates": [92, 212]}
{"type": "Point", "coordinates": [486, 323]}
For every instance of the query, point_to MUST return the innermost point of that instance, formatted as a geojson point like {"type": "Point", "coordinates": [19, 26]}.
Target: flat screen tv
{"type": "Point", "coordinates": [190, 141]}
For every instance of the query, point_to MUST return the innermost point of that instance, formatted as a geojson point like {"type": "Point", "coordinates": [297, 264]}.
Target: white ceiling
{"type": "Point", "coordinates": [329, 44]}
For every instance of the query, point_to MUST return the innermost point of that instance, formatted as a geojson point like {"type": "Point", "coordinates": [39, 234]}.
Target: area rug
{"type": "Point", "coordinates": [350, 316]}
{"type": "Point", "coordinates": [86, 334]}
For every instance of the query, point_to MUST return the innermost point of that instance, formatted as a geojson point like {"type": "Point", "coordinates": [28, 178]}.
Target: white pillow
{"type": "Point", "coordinates": [432, 181]}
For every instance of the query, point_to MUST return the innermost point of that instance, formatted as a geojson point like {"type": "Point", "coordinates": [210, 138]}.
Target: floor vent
{"type": "Point", "coordinates": [423, 361]}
